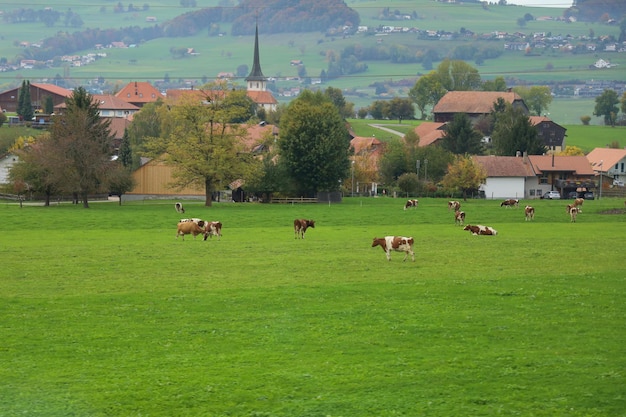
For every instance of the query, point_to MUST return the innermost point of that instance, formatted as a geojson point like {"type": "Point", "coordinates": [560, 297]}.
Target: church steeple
{"type": "Point", "coordinates": [256, 80]}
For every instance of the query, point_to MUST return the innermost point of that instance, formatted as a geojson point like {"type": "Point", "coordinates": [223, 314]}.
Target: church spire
{"type": "Point", "coordinates": [256, 80]}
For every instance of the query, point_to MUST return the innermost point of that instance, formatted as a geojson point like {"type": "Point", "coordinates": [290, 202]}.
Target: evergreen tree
{"type": "Point", "coordinates": [514, 133]}
{"type": "Point", "coordinates": [26, 110]}
{"type": "Point", "coordinates": [461, 137]}
{"type": "Point", "coordinates": [125, 154]}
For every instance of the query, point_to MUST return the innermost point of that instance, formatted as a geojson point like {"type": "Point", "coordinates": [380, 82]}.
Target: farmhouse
{"type": "Point", "coordinates": [530, 176]}
{"type": "Point", "coordinates": [38, 94]}
{"type": "Point", "coordinates": [475, 104]}
{"type": "Point", "coordinates": [611, 163]}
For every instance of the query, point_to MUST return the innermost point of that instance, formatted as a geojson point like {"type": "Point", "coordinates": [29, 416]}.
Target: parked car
{"type": "Point", "coordinates": [552, 195]}
{"type": "Point", "coordinates": [588, 196]}
{"type": "Point", "coordinates": [618, 183]}
{"type": "Point", "coordinates": [572, 195]}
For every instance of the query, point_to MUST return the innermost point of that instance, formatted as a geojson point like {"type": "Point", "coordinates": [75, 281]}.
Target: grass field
{"type": "Point", "coordinates": [105, 313]}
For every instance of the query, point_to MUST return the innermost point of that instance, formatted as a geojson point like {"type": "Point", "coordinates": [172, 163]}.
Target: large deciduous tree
{"type": "Point", "coordinates": [202, 138]}
{"type": "Point", "coordinates": [513, 132]}
{"type": "Point", "coordinates": [465, 175]}
{"type": "Point", "coordinates": [314, 144]}
{"type": "Point", "coordinates": [80, 155]}
{"type": "Point", "coordinates": [461, 137]}
{"type": "Point", "coordinates": [606, 105]}
{"type": "Point", "coordinates": [537, 97]}
{"type": "Point", "coordinates": [401, 108]}
{"type": "Point", "coordinates": [455, 75]}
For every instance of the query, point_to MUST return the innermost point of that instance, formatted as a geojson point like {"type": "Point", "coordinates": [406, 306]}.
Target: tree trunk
{"type": "Point", "coordinates": [85, 201]}
{"type": "Point", "coordinates": [208, 193]}
{"type": "Point", "coordinates": [47, 202]}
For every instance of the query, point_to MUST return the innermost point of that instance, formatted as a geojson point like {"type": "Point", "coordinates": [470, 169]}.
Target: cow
{"type": "Point", "coordinates": [300, 226]}
{"type": "Point", "coordinates": [511, 202]}
{"type": "Point", "coordinates": [188, 228]}
{"type": "Point", "coordinates": [396, 243]}
{"type": "Point", "coordinates": [213, 228]}
{"type": "Point", "coordinates": [411, 203]}
{"type": "Point", "coordinates": [579, 202]}
{"type": "Point", "coordinates": [459, 218]}
{"type": "Point", "coordinates": [454, 205]}
{"type": "Point", "coordinates": [573, 212]}
{"type": "Point", "coordinates": [179, 207]}
{"type": "Point", "coordinates": [481, 230]}
{"type": "Point", "coordinates": [529, 212]}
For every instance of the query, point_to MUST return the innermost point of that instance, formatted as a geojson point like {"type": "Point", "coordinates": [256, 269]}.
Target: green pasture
{"type": "Point", "coordinates": [105, 313]}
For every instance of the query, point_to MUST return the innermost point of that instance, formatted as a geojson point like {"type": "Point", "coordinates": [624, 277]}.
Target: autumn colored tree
{"type": "Point", "coordinates": [80, 153]}
{"type": "Point", "coordinates": [201, 138]}
{"type": "Point", "coordinates": [465, 175]}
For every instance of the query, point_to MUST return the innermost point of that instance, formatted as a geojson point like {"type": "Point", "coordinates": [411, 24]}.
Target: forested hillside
{"type": "Point", "coordinates": [594, 10]}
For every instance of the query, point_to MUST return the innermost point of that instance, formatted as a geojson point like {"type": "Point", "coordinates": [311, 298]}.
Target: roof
{"type": "Point", "coordinates": [60, 91]}
{"type": "Point", "coordinates": [107, 102]}
{"type": "Point", "coordinates": [473, 102]}
{"type": "Point", "coordinates": [255, 135]}
{"type": "Point", "coordinates": [608, 156]}
{"type": "Point", "coordinates": [505, 166]}
{"type": "Point", "coordinates": [139, 92]}
{"type": "Point", "coordinates": [430, 132]}
{"type": "Point", "coordinates": [256, 74]}
{"type": "Point", "coordinates": [364, 144]}
{"type": "Point", "coordinates": [579, 165]}
{"type": "Point", "coordinates": [118, 125]}
{"type": "Point", "coordinates": [262, 97]}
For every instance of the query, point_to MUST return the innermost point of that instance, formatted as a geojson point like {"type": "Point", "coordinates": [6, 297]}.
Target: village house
{"type": "Point", "coordinates": [611, 163]}
{"type": "Point", "coordinates": [38, 94]}
{"type": "Point", "coordinates": [475, 104]}
{"type": "Point", "coordinates": [530, 176]}
{"type": "Point", "coordinates": [139, 93]}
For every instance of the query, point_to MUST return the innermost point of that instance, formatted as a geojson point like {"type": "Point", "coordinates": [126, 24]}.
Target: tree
{"type": "Point", "coordinates": [497, 84]}
{"type": "Point", "coordinates": [427, 91]}
{"type": "Point", "coordinates": [125, 153]}
{"type": "Point", "coordinates": [31, 169]}
{"type": "Point", "coordinates": [458, 76]}
{"type": "Point", "coordinates": [514, 133]}
{"type": "Point", "coordinates": [81, 150]}
{"type": "Point", "coordinates": [120, 180]}
{"type": "Point", "coordinates": [314, 144]}
{"type": "Point", "coordinates": [336, 97]}
{"type": "Point", "coordinates": [401, 108]}
{"type": "Point", "coordinates": [622, 101]}
{"type": "Point", "coordinates": [202, 141]}
{"type": "Point", "coordinates": [409, 183]}
{"type": "Point", "coordinates": [606, 105]}
{"type": "Point", "coordinates": [465, 175]}
{"type": "Point", "coordinates": [24, 103]}
{"type": "Point", "coordinates": [461, 137]}
{"type": "Point", "coordinates": [537, 98]}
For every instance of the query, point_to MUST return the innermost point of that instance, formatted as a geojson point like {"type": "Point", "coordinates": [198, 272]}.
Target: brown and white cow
{"type": "Point", "coordinates": [454, 205]}
{"type": "Point", "coordinates": [573, 212]}
{"type": "Point", "coordinates": [479, 229]}
{"type": "Point", "coordinates": [395, 243]}
{"type": "Point", "coordinates": [411, 203]}
{"type": "Point", "coordinates": [300, 226]}
{"type": "Point", "coordinates": [213, 228]}
{"type": "Point", "coordinates": [579, 202]}
{"type": "Point", "coordinates": [511, 202]}
{"type": "Point", "coordinates": [529, 212]}
{"type": "Point", "coordinates": [188, 228]}
{"type": "Point", "coordinates": [459, 218]}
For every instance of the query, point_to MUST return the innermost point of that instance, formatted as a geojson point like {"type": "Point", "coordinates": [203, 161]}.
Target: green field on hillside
{"type": "Point", "coordinates": [104, 312]}
{"type": "Point", "coordinates": [152, 61]}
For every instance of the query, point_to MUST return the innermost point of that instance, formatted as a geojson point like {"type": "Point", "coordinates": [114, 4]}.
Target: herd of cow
{"type": "Point", "coordinates": [195, 226]}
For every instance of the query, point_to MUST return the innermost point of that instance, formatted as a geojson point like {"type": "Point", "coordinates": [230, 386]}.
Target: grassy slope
{"type": "Point", "coordinates": [116, 317]}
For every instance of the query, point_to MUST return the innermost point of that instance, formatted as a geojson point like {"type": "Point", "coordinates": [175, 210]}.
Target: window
{"type": "Point", "coordinates": [531, 193]}
{"type": "Point", "coordinates": [543, 180]}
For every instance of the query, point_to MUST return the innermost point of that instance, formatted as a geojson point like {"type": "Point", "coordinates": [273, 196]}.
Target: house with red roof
{"type": "Point", "coordinates": [139, 93]}
{"type": "Point", "coordinates": [475, 104]}
{"type": "Point", "coordinates": [611, 162]}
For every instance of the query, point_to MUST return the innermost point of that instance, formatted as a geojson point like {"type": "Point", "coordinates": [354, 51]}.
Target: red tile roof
{"type": "Point", "coordinates": [608, 156]}
{"type": "Point", "coordinates": [472, 102]}
{"type": "Point", "coordinates": [429, 132]}
{"type": "Point", "coordinates": [139, 92]}
{"type": "Point", "coordinates": [505, 166]}
{"type": "Point", "coordinates": [578, 165]}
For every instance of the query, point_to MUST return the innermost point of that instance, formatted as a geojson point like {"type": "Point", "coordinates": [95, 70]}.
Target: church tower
{"type": "Point", "coordinates": [256, 80]}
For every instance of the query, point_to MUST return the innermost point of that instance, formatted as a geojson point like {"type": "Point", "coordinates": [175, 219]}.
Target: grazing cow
{"type": "Point", "coordinates": [411, 203]}
{"type": "Point", "coordinates": [579, 202]}
{"type": "Point", "coordinates": [529, 212]}
{"type": "Point", "coordinates": [179, 207]}
{"type": "Point", "coordinates": [459, 218]}
{"type": "Point", "coordinates": [454, 205]}
{"type": "Point", "coordinates": [213, 229]}
{"type": "Point", "coordinates": [396, 243]}
{"type": "Point", "coordinates": [481, 230]}
{"type": "Point", "coordinates": [300, 226]}
{"type": "Point", "coordinates": [511, 202]}
{"type": "Point", "coordinates": [573, 212]}
{"type": "Point", "coordinates": [189, 228]}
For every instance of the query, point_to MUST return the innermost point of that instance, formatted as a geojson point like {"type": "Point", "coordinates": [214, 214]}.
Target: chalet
{"type": "Point", "coordinates": [139, 93]}
{"type": "Point", "coordinates": [38, 94]}
{"type": "Point", "coordinates": [530, 176]}
{"type": "Point", "coordinates": [551, 133]}
{"type": "Point", "coordinates": [475, 104]}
